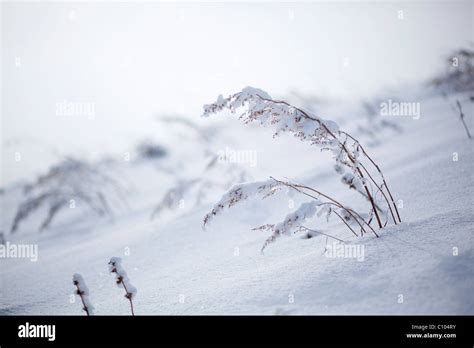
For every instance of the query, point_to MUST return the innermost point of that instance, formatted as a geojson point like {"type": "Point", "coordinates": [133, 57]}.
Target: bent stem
{"type": "Point", "coordinates": [461, 116]}
{"type": "Point", "coordinates": [351, 212]}
{"type": "Point", "coordinates": [343, 147]}
{"type": "Point", "coordinates": [129, 297]}
{"type": "Point", "coordinates": [384, 183]}
{"type": "Point", "coordinates": [356, 216]}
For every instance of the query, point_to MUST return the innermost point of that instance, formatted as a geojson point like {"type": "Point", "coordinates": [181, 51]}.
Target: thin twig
{"type": "Point", "coordinates": [350, 211]}
{"type": "Point", "coordinates": [380, 172]}
{"type": "Point", "coordinates": [339, 205]}
{"type": "Point", "coordinates": [461, 116]}
{"type": "Point", "coordinates": [324, 234]}
{"type": "Point", "coordinates": [129, 297]}
{"type": "Point", "coordinates": [80, 293]}
{"type": "Point", "coordinates": [353, 160]}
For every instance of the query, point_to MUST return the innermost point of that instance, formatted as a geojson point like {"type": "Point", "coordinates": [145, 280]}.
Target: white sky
{"type": "Point", "coordinates": [136, 59]}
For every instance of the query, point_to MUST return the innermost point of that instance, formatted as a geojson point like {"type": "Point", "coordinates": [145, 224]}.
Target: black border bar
{"type": "Point", "coordinates": [290, 330]}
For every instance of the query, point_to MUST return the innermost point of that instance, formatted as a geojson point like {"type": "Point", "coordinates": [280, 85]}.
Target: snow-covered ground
{"type": "Point", "coordinates": [423, 266]}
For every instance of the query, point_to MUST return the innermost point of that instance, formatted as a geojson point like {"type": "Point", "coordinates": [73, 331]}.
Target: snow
{"type": "Point", "coordinates": [425, 265]}
{"type": "Point", "coordinates": [293, 220]}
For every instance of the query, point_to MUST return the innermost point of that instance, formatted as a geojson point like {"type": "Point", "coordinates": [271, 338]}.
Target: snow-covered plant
{"type": "Point", "coordinates": [373, 127]}
{"type": "Point", "coordinates": [174, 195]}
{"type": "Point", "coordinates": [458, 75]}
{"type": "Point", "coordinates": [240, 192]}
{"type": "Point", "coordinates": [320, 205]}
{"type": "Point", "coordinates": [83, 292]}
{"type": "Point", "coordinates": [147, 149]}
{"type": "Point", "coordinates": [352, 161]}
{"type": "Point", "coordinates": [69, 182]}
{"type": "Point", "coordinates": [200, 177]}
{"type": "Point", "coordinates": [121, 279]}
{"type": "Point", "coordinates": [197, 190]}
{"type": "Point", "coordinates": [366, 121]}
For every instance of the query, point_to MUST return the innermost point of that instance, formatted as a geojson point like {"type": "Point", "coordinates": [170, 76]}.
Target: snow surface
{"type": "Point", "coordinates": [428, 260]}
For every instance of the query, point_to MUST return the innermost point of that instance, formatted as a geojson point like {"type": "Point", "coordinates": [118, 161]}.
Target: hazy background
{"type": "Point", "coordinates": [133, 60]}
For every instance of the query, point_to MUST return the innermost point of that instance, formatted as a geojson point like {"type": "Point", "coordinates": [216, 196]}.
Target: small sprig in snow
{"type": "Point", "coordinates": [121, 279]}
{"type": "Point", "coordinates": [83, 292]}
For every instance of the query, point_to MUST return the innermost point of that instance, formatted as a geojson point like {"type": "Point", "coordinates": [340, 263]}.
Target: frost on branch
{"type": "Point", "coordinates": [241, 192]}
{"type": "Point", "coordinates": [256, 105]}
{"type": "Point", "coordinates": [292, 221]}
{"type": "Point", "coordinates": [121, 279]}
{"type": "Point", "coordinates": [321, 205]}
{"type": "Point", "coordinates": [83, 292]}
